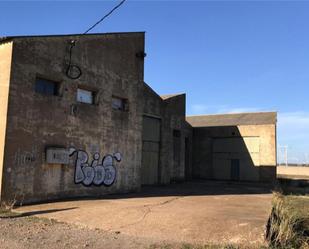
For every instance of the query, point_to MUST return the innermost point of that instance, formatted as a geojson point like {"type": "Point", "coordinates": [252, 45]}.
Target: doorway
{"type": "Point", "coordinates": [150, 150]}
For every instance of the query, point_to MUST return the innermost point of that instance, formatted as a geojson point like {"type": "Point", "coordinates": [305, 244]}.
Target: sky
{"type": "Point", "coordinates": [227, 56]}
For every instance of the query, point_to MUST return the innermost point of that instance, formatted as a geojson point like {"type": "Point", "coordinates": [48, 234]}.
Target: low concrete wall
{"type": "Point", "coordinates": [293, 171]}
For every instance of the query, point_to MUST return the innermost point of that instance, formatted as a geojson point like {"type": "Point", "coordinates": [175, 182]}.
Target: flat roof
{"type": "Point", "coordinates": [5, 38]}
{"type": "Point", "coordinates": [167, 96]}
{"type": "Point", "coordinates": [233, 119]}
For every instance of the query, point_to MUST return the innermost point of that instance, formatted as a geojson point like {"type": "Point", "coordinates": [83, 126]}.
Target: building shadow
{"type": "Point", "coordinates": [223, 153]}
{"type": "Point", "coordinates": [33, 213]}
{"type": "Point", "coordinates": [198, 188]}
{"type": "Point", "coordinates": [178, 189]}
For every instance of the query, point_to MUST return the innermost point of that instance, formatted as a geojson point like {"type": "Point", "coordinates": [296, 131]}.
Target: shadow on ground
{"type": "Point", "coordinates": [189, 188]}
{"type": "Point", "coordinates": [33, 213]}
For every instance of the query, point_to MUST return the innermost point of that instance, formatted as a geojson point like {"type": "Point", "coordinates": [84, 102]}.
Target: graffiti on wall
{"type": "Point", "coordinates": [95, 172]}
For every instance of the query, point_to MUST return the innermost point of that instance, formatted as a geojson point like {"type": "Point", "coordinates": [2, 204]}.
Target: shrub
{"type": "Point", "coordinates": [288, 224]}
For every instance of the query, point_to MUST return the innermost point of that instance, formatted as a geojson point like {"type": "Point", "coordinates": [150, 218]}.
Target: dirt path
{"type": "Point", "coordinates": [29, 233]}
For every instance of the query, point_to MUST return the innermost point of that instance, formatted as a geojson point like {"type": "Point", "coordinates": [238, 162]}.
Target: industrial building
{"type": "Point", "coordinates": [78, 120]}
{"type": "Point", "coordinates": [239, 147]}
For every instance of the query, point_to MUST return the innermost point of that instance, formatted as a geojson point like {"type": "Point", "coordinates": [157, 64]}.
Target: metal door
{"type": "Point", "coordinates": [150, 150]}
{"type": "Point", "coordinates": [235, 169]}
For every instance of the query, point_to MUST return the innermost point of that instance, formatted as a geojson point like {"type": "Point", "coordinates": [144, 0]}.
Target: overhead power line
{"type": "Point", "coordinates": [101, 20]}
{"type": "Point", "coordinates": [73, 71]}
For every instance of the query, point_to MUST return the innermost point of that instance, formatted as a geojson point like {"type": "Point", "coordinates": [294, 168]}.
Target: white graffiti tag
{"type": "Point", "coordinates": [95, 173]}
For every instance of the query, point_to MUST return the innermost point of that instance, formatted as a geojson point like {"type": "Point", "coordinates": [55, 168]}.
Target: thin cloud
{"type": "Point", "coordinates": [292, 129]}
{"type": "Point", "coordinates": [293, 126]}
{"type": "Point", "coordinates": [293, 132]}
{"type": "Point", "coordinates": [199, 109]}
{"type": "Point", "coordinates": [239, 110]}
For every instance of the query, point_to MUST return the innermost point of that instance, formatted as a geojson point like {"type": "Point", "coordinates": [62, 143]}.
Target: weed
{"type": "Point", "coordinates": [6, 208]}
{"type": "Point", "coordinates": [288, 225]}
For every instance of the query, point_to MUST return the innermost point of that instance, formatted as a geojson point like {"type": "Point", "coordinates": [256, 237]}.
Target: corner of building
{"type": "Point", "coordinates": [6, 50]}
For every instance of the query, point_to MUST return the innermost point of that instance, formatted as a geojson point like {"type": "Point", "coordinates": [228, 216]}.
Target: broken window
{"type": "Point", "coordinates": [119, 104]}
{"type": "Point", "coordinates": [85, 96]}
{"type": "Point", "coordinates": [46, 87]}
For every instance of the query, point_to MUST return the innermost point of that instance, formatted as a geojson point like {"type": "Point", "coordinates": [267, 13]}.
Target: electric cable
{"type": "Point", "coordinates": [73, 71]}
{"type": "Point", "coordinates": [108, 14]}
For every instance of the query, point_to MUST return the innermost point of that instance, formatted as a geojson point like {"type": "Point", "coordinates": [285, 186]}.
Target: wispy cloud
{"type": "Point", "coordinates": [300, 119]}
{"type": "Point", "coordinates": [220, 109]}
{"type": "Point", "coordinates": [239, 110]}
{"type": "Point", "coordinates": [292, 129]}
{"type": "Point", "coordinates": [199, 109]}
{"type": "Point", "coordinates": [294, 125]}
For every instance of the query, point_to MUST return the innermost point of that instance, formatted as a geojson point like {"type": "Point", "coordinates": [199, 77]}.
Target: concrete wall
{"type": "Point", "coordinates": [35, 122]}
{"type": "Point", "coordinates": [294, 172]}
{"type": "Point", "coordinates": [6, 50]}
{"type": "Point", "coordinates": [253, 145]}
{"type": "Point", "coordinates": [175, 121]}
{"type": "Point", "coordinates": [171, 111]}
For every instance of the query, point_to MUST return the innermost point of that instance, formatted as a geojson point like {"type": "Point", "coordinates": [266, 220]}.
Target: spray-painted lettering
{"type": "Point", "coordinates": [96, 172]}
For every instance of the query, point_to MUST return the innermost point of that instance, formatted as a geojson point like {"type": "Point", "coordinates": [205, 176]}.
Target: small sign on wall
{"type": "Point", "coordinates": [57, 156]}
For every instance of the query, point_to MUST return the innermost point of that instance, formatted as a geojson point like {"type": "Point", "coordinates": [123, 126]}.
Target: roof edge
{"type": "Point", "coordinates": [233, 119]}
{"type": "Point", "coordinates": [5, 38]}
{"type": "Point", "coordinates": [168, 96]}
{"type": "Point", "coordinates": [234, 113]}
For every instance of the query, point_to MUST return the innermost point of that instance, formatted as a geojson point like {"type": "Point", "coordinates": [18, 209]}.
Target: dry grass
{"type": "Point", "coordinates": [6, 209]}
{"type": "Point", "coordinates": [288, 225]}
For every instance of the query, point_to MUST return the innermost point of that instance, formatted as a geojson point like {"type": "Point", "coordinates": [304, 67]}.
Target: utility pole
{"type": "Point", "coordinates": [306, 159]}
{"type": "Point", "coordinates": [285, 153]}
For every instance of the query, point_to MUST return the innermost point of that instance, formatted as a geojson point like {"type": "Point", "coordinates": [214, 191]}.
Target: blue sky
{"type": "Point", "coordinates": [228, 56]}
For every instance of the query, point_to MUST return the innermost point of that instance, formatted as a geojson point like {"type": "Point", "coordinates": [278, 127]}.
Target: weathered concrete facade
{"type": "Point", "coordinates": [170, 110]}
{"type": "Point", "coordinates": [58, 147]}
{"type": "Point", "coordinates": [235, 146]}
{"type": "Point", "coordinates": [78, 120]}
{"type": "Point", "coordinates": [36, 122]}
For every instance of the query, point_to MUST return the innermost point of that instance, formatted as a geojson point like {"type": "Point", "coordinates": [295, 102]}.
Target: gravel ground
{"type": "Point", "coordinates": [32, 232]}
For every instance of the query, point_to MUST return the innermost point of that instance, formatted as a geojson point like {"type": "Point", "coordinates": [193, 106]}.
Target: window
{"type": "Point", "coordinates": [176, 133]}
{"type": "Point", "coordinates": [46, 87]}
{"type": "Point", "coordinates": [85, 96]}
{"type": "Point", "coordinates": [119, 104]}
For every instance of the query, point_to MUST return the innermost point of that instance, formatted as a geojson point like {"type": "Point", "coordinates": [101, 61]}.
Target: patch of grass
{"type": "Point", "coordinates": [4, 213]}
{"type": "Point", "coordinates": [6, 210]}
{"type": "Point", "coordinates": [288, 225]}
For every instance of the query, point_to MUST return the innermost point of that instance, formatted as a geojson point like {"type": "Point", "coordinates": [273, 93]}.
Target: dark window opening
{"type": "Point", "coordinates": [119, 103]}
{"type": "Point", "coordinates": [235, 169]}
{"type": "Point", "coordinates": [176, 133]}
{"type": "Point", "coordinates": [46, 87]}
